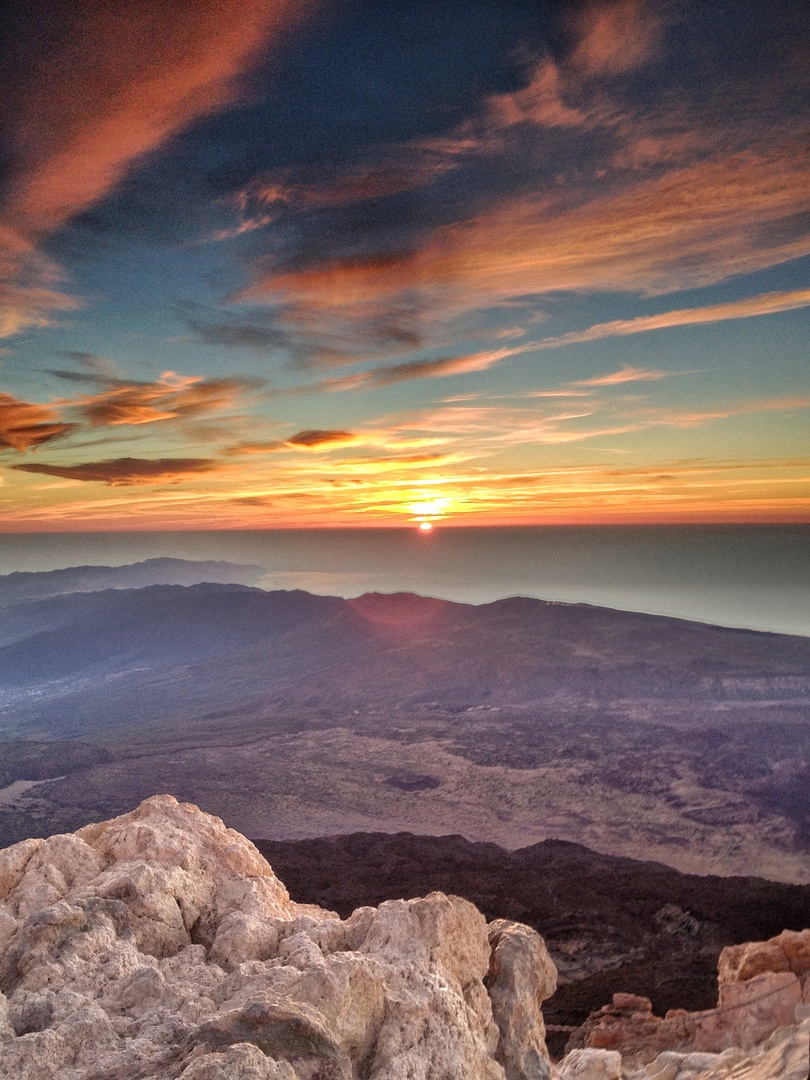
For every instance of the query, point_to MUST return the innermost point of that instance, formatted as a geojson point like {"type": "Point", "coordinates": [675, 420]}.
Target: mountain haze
{"type": "Point", "coordinates": [296, 715]}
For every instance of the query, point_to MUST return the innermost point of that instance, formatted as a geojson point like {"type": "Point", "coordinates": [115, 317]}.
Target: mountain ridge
{"type": "Point", "coordinates": [513, 722]}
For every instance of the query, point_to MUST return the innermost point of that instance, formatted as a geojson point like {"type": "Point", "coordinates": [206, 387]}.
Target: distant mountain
{"type": "Point", "coordinates": [391, 647]}
{"type": "Point", "coordinates": [34, 585]}
{"type": "Point", "coordinates": [607, 922]}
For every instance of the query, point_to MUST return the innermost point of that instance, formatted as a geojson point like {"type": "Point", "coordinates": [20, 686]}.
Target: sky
{"type": "Point", "coordinates": [285, 263]}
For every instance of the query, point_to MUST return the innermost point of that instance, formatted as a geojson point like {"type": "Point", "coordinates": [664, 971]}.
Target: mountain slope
{"type": "Point", "coordinates": [512, 722]}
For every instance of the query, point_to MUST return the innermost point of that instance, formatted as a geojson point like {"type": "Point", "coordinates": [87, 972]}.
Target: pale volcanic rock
{"type": "Point", "coordinates": [591, 1064]}
{"type": "Point", "coordinates": [785, 1056]}
{"type": "Point", "coordinates": [521, 977]}
{"type": "Point", "coordinates": [161, 945]}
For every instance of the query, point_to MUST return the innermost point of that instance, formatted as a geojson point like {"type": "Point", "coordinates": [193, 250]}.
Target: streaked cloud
{"type": "Point", "coordinates": [171, 397]}
{"type": "Point", "coordinates": [125, 471]}
{"type": "Point", "coordinates": [389, 375]}
{"type": "Point", "coordinates": [626, 374]}
{"type": "Point", "coordinates": [24, 426]}
{"type": "Point", "coordinates": [600, 158]}
{"type": "Point", "coordinates": [31, 286]}
{"type": "Point", "coordinates": [685, 419]}
{"type": "Point", "coordinates": [186, 63]}
{"type": "Point", "coordinates": [149, 71]}
{"type": "Point", "coordinates": [316, 437]}
{"type": "Point", "coordinates": [693, 226]}
{"type": "Point", "coordinates": [764, 304]}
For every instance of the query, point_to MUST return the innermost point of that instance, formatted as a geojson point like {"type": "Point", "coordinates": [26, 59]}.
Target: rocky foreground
{"type": "Point", "coordinates": [161, 945]}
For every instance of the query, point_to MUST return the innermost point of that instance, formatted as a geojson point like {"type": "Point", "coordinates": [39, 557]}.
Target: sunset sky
{"type": "Point", "coordinates": [273, 263]}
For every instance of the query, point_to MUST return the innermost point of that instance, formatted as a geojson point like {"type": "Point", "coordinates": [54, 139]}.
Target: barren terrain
{"type": "Point", "coordinates": [292, 716]}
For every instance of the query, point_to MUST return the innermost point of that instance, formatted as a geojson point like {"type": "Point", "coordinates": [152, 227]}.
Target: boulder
{"type": "Point", "coordinates": [161, 945]}
{"type": "Point", "coordinates": [521, 976]}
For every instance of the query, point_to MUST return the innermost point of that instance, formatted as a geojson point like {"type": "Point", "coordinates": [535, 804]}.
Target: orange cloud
{"type": "Point", "coordinates": [122, 472]}
{"type": "Point", "coordinates": [627, 374]}
{"type": "Point", "coordinates": [171, 397]}
{"type": "Point", "coordinates": [764, 304]}
{"type": "Point", "coordinates": [616, 36]}
{"type": "Point", "coordinates": [24, 426]}
{"type": "Point", "coordinates": [744, 408]}
{"type": "Point", "coordinates": [148, 70]}
{"type": "Point", "coordinates": [30, 286]}
{"type": "Point", "coordinates": [315, 438]}
{"type": "Point", "coordinates": [541, 102]}
{"type": "Point", "coordinates": [420, 369]}
{"type": "Point", "coordinates": [110, 84]}
{"type": "Point", "coordinates": [693, 226]}
{"type": "Point", "coordinates": [342, 186]}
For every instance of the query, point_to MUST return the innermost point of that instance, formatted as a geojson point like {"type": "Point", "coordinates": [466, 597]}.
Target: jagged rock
{"type": "Point", "coordinates": [161, 945]}
{"type": "Point", "coordinates": [785, 1056]}
{"type": "Point", "coordinates": [789, 951]}
{"type": "Point", "coordinates": [760, 995]}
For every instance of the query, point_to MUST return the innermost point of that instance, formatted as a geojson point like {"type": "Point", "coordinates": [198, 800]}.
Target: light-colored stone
{"type": "Point", "coordinates": [747, 1013]}
{"type": "Point", "coordinates": [520, 978]}
{"type": "Point", "coordinates": [161, 945]}
{"type": "Point", "coordinates": [590, 1064]}
{"type": "Point", "coordinates": [243, 1061]}
{"type": "Point", "coordinates": [789, 951]}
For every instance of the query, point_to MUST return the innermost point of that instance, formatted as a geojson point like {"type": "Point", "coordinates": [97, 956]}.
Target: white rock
{"type": "Point", "coordinates": [590, 1064]}
{"type": "Point", "coordinates": [161, 945]}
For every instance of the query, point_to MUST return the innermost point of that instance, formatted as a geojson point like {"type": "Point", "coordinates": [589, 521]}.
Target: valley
{"type": "Point", "coordinates": [292, 716]}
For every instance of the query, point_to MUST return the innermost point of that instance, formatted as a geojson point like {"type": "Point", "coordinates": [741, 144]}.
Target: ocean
{"type": "Point", "coordinates": [752, 576]}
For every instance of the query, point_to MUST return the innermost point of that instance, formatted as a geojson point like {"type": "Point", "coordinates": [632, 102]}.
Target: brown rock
{"type": "Point", "coordinates": [789, 951]}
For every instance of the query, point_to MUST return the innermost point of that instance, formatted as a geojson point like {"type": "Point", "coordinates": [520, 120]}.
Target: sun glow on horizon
{"type": "Point", "coordinates": [425, 526]}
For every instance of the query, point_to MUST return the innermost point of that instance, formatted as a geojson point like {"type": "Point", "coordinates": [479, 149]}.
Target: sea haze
{"type": "Point", "coordinates": [750, 576]}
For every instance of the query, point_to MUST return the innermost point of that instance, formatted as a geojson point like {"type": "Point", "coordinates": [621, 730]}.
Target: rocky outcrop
{"type": "Point", "coordinates": [161, 944]}
{"type": "Point", "coordinates": [760, 1027]}
{"type": "Point", "coordinates": [608, 923]}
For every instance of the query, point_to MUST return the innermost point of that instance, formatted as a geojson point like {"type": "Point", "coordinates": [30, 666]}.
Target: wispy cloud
{"type": "Point", "coordinates": [693, 226]}
{"type": "Point", "coordinates": [24, 425]}
{"type": "Point", "coordinates": [616, 36]}
{"type": "Point", "coordinates": [626, 374]}
{"type": "Point", "coordinates": [31, 286]}
{"type": "Point", "coordinates": [149, 71]}
{"type": "Point", "coordinates": [687, 419]}
{"type": "Point", "coordinates": [126, 471]}
{"type": "Point", "coordinates": [313, 438]}
{"type": "Point", "coordinates": [389, 375]}
{"type": "Point", "coordinates": [171, 397]}
{"type": "Point", "coordinates": [764, 304]}
{"type": "Point", "coordinates": [574, 182]}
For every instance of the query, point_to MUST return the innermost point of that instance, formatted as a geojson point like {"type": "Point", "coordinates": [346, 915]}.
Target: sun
{"type": "Point", "coordinates": [425, 526]}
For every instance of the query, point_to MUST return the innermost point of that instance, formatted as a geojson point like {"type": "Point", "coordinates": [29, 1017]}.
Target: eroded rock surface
{"type": "Point", "coordinates": [760, 1029]}
{"type": "Point", "coordinates": [161, 945]}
